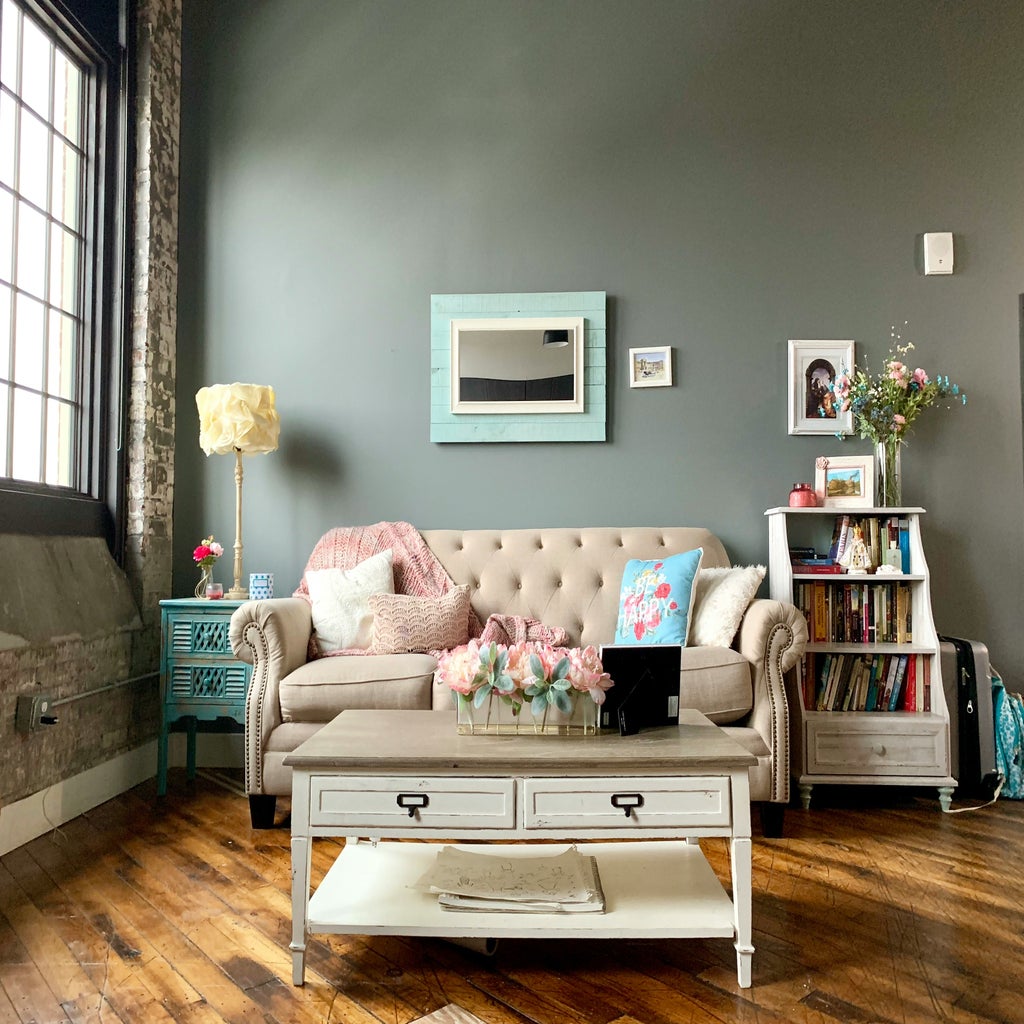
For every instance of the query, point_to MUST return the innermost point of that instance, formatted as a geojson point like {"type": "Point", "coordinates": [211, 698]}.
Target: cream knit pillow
{"type": "Point", "coordinates": [718, 606]}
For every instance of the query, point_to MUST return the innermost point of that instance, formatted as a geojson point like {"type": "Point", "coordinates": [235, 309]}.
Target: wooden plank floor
{"type": "Point", "coordinates": [874, 908]}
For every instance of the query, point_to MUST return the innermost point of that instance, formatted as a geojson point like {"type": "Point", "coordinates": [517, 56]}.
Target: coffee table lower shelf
{"type": "Point", "coordinates": [653, 889]}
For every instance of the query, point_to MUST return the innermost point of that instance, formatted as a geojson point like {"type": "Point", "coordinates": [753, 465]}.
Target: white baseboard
{"type": "Point", "coordinates": [35, 815]}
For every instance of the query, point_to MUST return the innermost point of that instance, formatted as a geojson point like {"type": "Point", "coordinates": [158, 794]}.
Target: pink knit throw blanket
{"type": "Point", "coordinates": [417, 572]}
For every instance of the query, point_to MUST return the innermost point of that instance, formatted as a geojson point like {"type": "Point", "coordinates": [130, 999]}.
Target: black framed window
{"type": "Point", "coordinates": [62, 136]}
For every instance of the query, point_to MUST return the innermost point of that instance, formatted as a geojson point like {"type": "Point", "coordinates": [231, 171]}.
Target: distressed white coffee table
{"type": "Point", "coordinates": [408, 774]}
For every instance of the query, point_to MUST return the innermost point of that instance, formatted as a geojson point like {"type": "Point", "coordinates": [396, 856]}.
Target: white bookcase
{"type": "Point", "coordinates": [904, 747]}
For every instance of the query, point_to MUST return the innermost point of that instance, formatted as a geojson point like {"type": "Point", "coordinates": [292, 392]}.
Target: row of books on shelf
{"type": "Point", "coordinates": [887, 539]}
{"type": "Point", "coordinates": [860, 612]}
{"type": "Point", "coordinates": [857, 682]}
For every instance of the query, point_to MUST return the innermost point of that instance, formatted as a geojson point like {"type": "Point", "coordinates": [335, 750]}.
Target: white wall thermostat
{"type": "Point", "coordinates": [938, 252]}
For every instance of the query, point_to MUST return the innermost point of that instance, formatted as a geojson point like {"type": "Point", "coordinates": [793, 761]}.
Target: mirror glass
{"type": "Point", "coordinates": [516, 365]}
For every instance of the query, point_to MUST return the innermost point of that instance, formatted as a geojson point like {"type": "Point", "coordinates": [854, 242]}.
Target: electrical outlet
{"type": "Point", "coordinates": [33, 713]}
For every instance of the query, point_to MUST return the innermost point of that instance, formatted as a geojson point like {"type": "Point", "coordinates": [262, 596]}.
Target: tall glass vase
{"type": "Point", "coordinates": [890, 477]}
{"type": "Point", "coordinates": [205, 579]}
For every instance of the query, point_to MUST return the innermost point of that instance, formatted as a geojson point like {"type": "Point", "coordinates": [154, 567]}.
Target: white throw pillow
{"type": "Point", "coordinates": [341, 601]}
{"type": "Point", "coordinates": [722, 597]}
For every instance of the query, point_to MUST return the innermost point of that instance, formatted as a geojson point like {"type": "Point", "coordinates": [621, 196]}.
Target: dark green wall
{"type": "Point", "coordinates": [733, 174]}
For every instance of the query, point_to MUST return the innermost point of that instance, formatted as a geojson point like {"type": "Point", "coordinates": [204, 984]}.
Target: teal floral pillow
{"type": "Point", "coordinates": [655, 599]}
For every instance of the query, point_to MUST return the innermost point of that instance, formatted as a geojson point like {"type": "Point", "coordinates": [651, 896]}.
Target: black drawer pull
{"type": "Point", "coordinates": [627, 801]}
{"type": "Point", "coordinates": [413, 801]}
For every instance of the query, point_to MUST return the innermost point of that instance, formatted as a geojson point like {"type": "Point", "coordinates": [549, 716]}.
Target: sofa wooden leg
{"type": "Point", "coordinates": [772, 818]}
{"type": "Point", "coordinates": [261, 810]}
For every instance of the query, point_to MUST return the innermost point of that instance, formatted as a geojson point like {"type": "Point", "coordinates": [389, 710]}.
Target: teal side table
{"type": "Point", "coordinates": [201, 681]}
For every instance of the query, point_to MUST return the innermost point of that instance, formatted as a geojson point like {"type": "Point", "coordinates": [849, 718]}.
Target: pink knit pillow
{"type": "Point", "coordinates": [403, 624]}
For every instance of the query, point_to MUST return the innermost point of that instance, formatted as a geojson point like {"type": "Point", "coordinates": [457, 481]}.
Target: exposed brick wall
{"type": "Point", "coordinates": [154, 319]}
{"type": "Point", "coordinates": [66, 652]}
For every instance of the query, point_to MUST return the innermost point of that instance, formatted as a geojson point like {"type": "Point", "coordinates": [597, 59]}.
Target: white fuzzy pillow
{"type": "Point", "coordinates": [340, 600]}
{"type": "Point", "coordinates": [721, 599]}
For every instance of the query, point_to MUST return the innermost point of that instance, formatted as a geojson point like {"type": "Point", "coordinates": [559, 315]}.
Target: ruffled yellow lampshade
{"type": "Point", "coordinates": [237, 417]}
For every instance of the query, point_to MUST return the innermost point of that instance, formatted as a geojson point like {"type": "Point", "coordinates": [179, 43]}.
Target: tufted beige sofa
{"type": "Point", "coordinates": [564, 577]}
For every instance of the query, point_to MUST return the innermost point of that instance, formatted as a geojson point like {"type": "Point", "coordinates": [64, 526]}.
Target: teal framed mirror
{"type": "Point", "coordinates": [518, 367]}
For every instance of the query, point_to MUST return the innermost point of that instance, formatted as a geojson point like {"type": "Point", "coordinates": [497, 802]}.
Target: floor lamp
{"type": "Point", "coordinates": [239, 419]}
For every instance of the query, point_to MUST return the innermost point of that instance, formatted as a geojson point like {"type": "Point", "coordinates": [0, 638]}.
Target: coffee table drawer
{"type": "Point", "coordinates": [626, 803]}
{"type": "Point", "coordinates": [389, 801]}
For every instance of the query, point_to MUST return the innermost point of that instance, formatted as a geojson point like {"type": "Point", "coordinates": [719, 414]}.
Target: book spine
{"type": "Point", "coordinates": [904, 542]}
{"type": "Point", "coordinates": [820, 613]}
{"type": "Point", "coordinates": [909, 702]}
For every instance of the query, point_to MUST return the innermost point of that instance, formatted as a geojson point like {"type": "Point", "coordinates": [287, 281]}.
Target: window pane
{"type": "Point", "coordinates": [6, 236]}
{"type": "Point", "coordinates": [67, 98]}
{"type": "Point", "coordinates": [33, 183]}
{"type": "Point", "coordinates": [64, 253]}
{"type": "Point", "coordinates": [60, 366]}
{"type": "Point", "coordinates": [35, 68]}
{"type": "Point", "coordinates": [8, 122]}
{"type": "Point", "coordinates": [31, 250]}
{"type": "Point", "coordinates": [28, 343]}
{"type": "Point", "coordinates": [64, 198]}
{"type": "Point", "coordinates": [27, 431]}
{"type": "Point", "coordinates": [9, 45]}
{"type": "Point", "coordinates": [59, 443]}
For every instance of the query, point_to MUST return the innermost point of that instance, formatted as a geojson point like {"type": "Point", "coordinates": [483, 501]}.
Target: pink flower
{"type": "Point", "coordinates": [458, 668]}
{"type": "Point", "coordinates": [638, 630]}
{"type": "Point", "coordinates": [663, 591]}
{"type": "Point", "coordinates": [899, 422]}
{"type": "Point", "coordinates": [897, 371]}
{"type": "Point", "coordinates": [920, 377]}
{"type": "Point", "coordinates": [587, 673]}
{"type": "Point", "coordinates": [518, 665]}
{"type": "Point", "coordinates": [216, 549]}
{"type": "Point", "coordinates": [201, 552]}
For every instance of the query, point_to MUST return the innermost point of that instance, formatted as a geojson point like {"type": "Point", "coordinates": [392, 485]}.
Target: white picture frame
{"type": "Point", "coordinates": [845, 481]}
{"type": "Point", "coordinates": [813, 365]}
{"type": "Point", "coordinates": [650, 367]}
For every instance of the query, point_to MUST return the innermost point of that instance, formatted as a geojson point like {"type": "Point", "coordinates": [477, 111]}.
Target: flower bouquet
{"type": "Point", "coordinates": [531, 686]}
{"type": "Point", "coordinates": [205, 556]}
{"type": "Point", "coordinates": [885, 407]}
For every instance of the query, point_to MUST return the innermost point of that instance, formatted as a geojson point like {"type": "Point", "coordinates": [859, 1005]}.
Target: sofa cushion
{"type": "Point", "coordinates": [340, 600]}
{"type": "Point", "coordinates": [716, 681]}
{"type": "Point", "coordinates": [318, 690]}
{"type": "Point", "coordinates": [403, 623]}
{"type": "Point", "coordinates": [655, 599]}
{"type": "Point", "coordinates": [722, 597]}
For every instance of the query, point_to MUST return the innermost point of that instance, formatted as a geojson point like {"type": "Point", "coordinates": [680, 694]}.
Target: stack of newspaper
{"type": "Point", "coordinates": [565, 883]}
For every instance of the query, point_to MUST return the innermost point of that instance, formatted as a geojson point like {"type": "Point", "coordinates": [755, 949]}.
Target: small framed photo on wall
{"type": "Point", "coordinates": [845, 481]}
{"type": "Point", "coordinates": [650, 367]}
{"type": "Point", "coordinates": [813, 367]}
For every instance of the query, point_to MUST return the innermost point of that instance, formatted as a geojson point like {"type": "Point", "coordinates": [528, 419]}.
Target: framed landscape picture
{"type": "Point", "coordinates": [845, 481]}
{"type": "Point", "coordinates": [650, 367]}
{"type": "Point", "coordinates": [813, 366]}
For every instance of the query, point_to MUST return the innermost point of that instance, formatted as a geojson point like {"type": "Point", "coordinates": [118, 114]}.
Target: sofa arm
{"type": "Point", "coordinates": [772, 637]}
{"type": "Point", "coordinates": [273, 637]}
